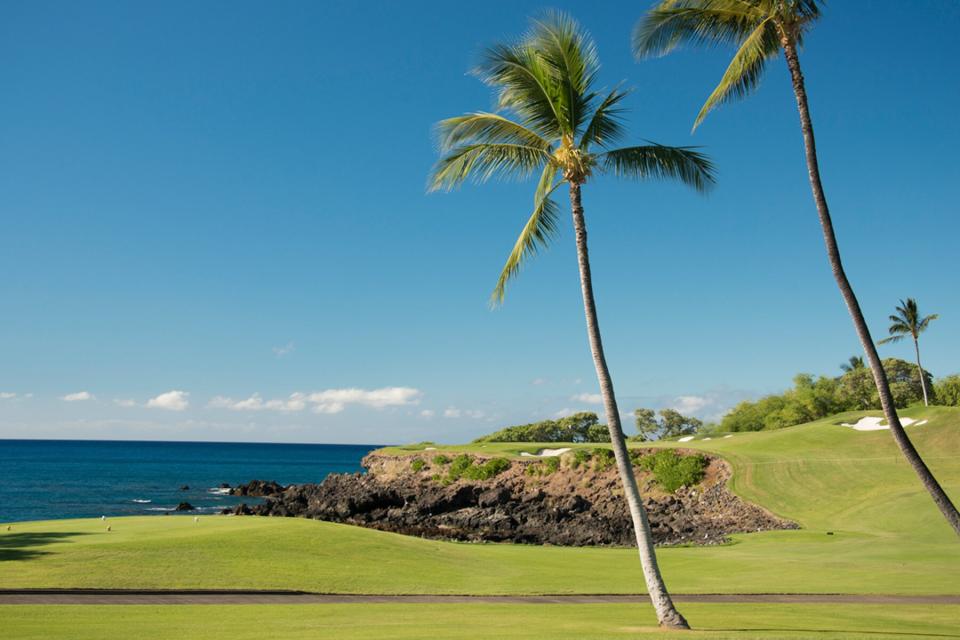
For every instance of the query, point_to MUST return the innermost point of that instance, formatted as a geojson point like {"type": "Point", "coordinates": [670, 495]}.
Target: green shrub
{"type": "Point", "coordinates": [463, 467]}
{"type": "Point", "coordinates": [441, 460]}
{"type": "Point", "coordinates": [672, 470]}
{"type": "Point", "coordinates": [544, 467]}
{"type": "Point", "coordinates": [603, 459]}
{"type": "Point", "coordinates": [947, 391]}
{"type": "Point", "coordinates": [580, 456]}
{"type": "Point", "coordinates": [580, 427]}
{"type": "Point", "coordinates": [487, 470]}
{"type": "Point", "coordinates": [417, 465]}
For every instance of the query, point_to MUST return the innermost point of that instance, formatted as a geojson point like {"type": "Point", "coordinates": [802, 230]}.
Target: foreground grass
{"type": "Point", "coordinates": [356, 621]}
{"type": "Point", "coordinates": [887, 537]}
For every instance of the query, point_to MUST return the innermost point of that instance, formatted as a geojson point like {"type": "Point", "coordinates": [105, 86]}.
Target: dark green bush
{"type": "Point", "coordinates": [580, 427]}
{"type": "Point", "coordinates": [672, 470]}
{"type": "Point", "coordinates": [544, 467]}
{"type": "Point", "coordinates": [580, 456]}
{"type": "Point", "coordinates": [441, 460]}
{"type": "Point", "coordinates": [603, 459]}
{"type": "Point", "coordinates": [487, 470]}
{"type": "Point", "coordinates": [417, 465]}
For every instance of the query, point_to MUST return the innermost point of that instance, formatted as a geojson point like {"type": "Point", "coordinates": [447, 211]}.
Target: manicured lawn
{"type": "Point", "coordinates": [415, 622]}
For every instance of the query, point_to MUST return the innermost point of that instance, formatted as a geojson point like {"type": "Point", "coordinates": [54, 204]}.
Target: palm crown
{"type": "Point", "coordinates": [907, 322]}
{"type": "Point", "coordinates": [550, 120]}
{"type": "Point", "coordinates": [758, 28]}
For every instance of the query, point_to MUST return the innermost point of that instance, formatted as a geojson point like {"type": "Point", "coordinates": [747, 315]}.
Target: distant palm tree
{"type": "Point", "coordinates": [562, 128]}
{"type": "Point", "coordinates": [854, 363]}
{"type": "Point", "coordinates": [761, 29]}
{"type": "Point", "coordinates": [907, 322]}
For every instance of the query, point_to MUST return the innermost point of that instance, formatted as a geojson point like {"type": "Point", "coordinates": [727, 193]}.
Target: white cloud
{"type": "Point", "coordinates": [428, 413]}
{"type": "Point", "coordinates": [589, 398]}
{"type": "Point", "coordinates": [79, 396]}
{"type": "Point", "coordinates": [538, 381]}
{"type": "Point", "coordinates": [284, 350]}
{"type": "Point", "coordinates": [453, 412]}
{"type": "Point", "coordinates": [124, 402]}
{"type": "Point", "coordinates": [171, 401]}
{"type": "Point", "coordinates": [327, 401]}
{"type": "Point", "coordinates": [690, 404]}
{"type": "Point", "coordinates": [6, 395]}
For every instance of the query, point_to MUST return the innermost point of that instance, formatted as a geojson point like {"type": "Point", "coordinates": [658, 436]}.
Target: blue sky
{"type": "Point", "coordinates": [211, 203]}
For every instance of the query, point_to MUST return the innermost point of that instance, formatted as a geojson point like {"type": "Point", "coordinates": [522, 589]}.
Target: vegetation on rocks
{"type": "Point", "coordinates": [671, 470]}
{"type": "Point", "coordinates": [579, 427]}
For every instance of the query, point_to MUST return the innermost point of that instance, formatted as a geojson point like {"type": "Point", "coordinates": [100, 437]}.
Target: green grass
{"type": "Point", "coordinates": [530, 622]}
{"type": "Point", "coordinates": [888, 537]}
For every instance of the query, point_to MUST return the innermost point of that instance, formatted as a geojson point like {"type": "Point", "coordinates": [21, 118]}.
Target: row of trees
{"type": "Point", "coordinates": [585, 427]}
{"type": "Point", "coordinates": [555, 124]}
{"type": "Point", "coordinates": [813, 398]}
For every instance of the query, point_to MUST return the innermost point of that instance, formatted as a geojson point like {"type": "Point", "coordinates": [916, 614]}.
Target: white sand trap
{"type": "Point", "coordinates": [708, 438]}
{"type": "Point", "coordinates": [685, 439]}
{"type": "Point", "coordinates": [877, 424]}
{"type": "Point", "coordinates": [546, 453]}
{"type": "Point", "coordinates": [729, 436]}
{"type": "Point", "coordinates": [430, 449]}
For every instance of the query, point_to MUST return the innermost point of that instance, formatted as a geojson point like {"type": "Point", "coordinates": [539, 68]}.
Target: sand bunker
{"type": "Point", "coordinates": [877, 424]}
{"type": "Point", "coordinates": [545, 453]}
{"type": "Point", "coordinates": [685, 439]}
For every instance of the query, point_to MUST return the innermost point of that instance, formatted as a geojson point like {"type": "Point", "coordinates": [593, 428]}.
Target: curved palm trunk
{"type": "Point", "coordinates": [833, 253]}
{"type": "Point", "coordinates": [923, 378]}
{"type": "Point", "coordinates": [667, 613]}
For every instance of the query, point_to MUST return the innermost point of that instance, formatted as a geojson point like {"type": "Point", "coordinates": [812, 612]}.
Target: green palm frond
{"type": "Point", "coordinates": [568, 49]}
{"type": "Point", "coordinates": [536, 234]}
{"type": "Point", "coordinates": [757, 28]}
{"type": "Point", "coordinates": [525, 84]}
{"type": "Point", "coordinates": [745, 70]}
{"type": "Point", "coordinates": [907, 322]}
{"type": "Point", "coordinates": [606, 124]}
{"type": "Point", "coordinates": [698, 22]}
{"type": "Point", "coordinates": [482, 161]}
{"type": "Point", "coordinates": [481, 127]}
{"type": "Point", "coordinates": [658, 162]}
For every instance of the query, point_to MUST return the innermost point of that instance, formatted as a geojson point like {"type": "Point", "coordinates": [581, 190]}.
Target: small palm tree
{"type": "Point", "coordinates": [907, 322]}
{"type": "Point", "coordinates": [554, 123]}
{"type": "Point", "coordinates": [761, 29]}
{"type": "Point", "coordinates": [853, 364]}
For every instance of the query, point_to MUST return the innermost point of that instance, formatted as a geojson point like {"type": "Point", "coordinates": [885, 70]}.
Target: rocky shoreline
{"type": "Point", "coordinates": [571, 505]}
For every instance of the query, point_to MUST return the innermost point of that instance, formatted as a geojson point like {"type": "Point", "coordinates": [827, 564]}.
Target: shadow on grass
{"type": "Point", "coordinates": [879, 634]}
{"type": "Point", "coordinates": [24, 546]}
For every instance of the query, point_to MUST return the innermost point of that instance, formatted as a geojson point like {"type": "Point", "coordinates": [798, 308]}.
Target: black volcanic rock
{"type": "Point", "coordinates": [572, 506]}
{"type": "Point", "coordinates": [185, 506]}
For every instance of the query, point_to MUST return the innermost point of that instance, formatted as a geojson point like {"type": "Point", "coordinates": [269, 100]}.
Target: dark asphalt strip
{"type": "Point", "coordinates": [120, 596]}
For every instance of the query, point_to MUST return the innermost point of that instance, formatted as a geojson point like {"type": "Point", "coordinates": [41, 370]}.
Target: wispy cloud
{"type": "Point", "coordinates": [284, 350]}
{"type": "Point", "coordinates": [124, 402]}
{"type": "Point", "coordinates": [454, 412]}
{"type": "Point", "coordinates": [428, 413]}
{"type": "Point", "coordinates": [327, 401]}
{"type": "Point", "coordinates": [538, 382]}
{"type": "Point", "coordinates": [589, 398]}
{"type": "Point", "coordinates": [79, 396]}
{"type": "Point", "coordinates": [175, 400]}
{"type": "Point", "coordinates": [7, 395]}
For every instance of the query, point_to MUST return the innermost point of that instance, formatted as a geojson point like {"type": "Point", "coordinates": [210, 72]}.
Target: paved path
{"type": "Point", "coordinates": [119, 596]}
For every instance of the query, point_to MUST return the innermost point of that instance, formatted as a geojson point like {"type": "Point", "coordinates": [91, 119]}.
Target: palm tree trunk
{"type": "Point", "coordinates": [923, 378]}
{"type": "Point", "coordinates": [940, 497]}
{"type": "Point", "coordinates": [667, 613]}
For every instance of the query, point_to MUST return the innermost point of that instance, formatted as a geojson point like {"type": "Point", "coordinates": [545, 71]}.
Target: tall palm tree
{"type": "Point", "coordinates": [907, 322]}
{"type": "Point", "coordinates": [761, 29]}
{"type": "Point", "coordinates": [853, 364]}
{"type": "Point", "coordinates": [555, 123]}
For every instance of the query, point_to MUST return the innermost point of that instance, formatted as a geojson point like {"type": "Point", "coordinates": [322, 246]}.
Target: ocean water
{"type": "Point", "coordinates": [47, 479]}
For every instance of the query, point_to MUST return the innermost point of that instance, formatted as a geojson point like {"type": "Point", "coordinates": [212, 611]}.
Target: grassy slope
{"type": "Point", "coordinates": [888, 536]}
{"type": "Point", "coordinates": [529, 622]}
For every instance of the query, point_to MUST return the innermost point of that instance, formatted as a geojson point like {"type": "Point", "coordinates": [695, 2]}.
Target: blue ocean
{"type": "Point", "coordinates": [47, 479]}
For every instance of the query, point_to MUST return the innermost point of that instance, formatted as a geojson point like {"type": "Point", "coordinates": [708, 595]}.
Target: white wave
{"type": "Point", "coordinates": [159, 509]}
{"type": "Point", "coordinates": [220, 490]}
{"type": "Point", "coordinates": [139, 501]}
